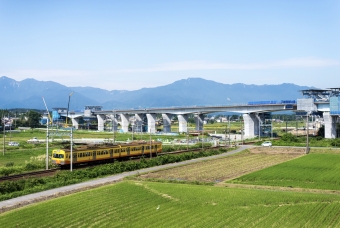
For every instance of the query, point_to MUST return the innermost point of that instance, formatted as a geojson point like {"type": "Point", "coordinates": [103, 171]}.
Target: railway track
{"type": "Point", "coordinates": [30, 174]}
{"type": "Point", "coordinates": [52, 171]}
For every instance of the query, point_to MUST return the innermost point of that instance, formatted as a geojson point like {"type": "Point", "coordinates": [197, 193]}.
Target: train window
{"type": "Point", "coordinates": [58, 156]}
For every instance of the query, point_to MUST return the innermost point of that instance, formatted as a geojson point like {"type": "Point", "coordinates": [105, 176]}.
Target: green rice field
{"type": "Point", "coordinates": [142, 203]}
{"type": "Point", "coordinates": [148, 204]}
{"type": "Point", "coordinates": [314, 171]}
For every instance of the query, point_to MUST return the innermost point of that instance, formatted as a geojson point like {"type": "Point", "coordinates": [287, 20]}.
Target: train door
{"type": "Point", "coordinates": [128, 151]}
{"type": "Point", "coordinates": [74, 158]}
{"type": "Point", "coordinates": [111, 153]}
{"type": "Point", "coordinates": [94, 155]}
{"type": "Point", "coordinates": [142, 150]}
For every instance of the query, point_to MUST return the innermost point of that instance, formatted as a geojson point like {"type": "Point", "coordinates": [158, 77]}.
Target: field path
{"type": "Point", "coordinates": [280, 188]}
{"type": "Point", "coordinates": [66, 190]}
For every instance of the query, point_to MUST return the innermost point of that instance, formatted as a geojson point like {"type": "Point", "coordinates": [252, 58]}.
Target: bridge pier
{"type": "Point", "coordinates": [101, 121]}
{"type": "Point", "coordinates": [124, 118]}
{"type": "Point", "coordinates": [151, 122]}
{"type": "Point", "coordinates": [330, 125]}
{"type": "Point", "coordinates": [251, 125]}
{"type": "Point", "coordinates": [167, 122]}
{"type": "Point", "coordinates": [114, 122]}
{"type": "Point", "coordinates": [139, 122]}
{"type": "Point", "coordinates": [199, 118]}
{"type": "Point", "coordinates": [182, 123]}
{"type": "Point", "coordinates": [75, 122]}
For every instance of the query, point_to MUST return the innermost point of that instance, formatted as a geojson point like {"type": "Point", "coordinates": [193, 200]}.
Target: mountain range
{"type": "Point", "coordinates": [28, 93]}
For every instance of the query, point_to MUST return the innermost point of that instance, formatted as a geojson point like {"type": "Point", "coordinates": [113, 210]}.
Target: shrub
{"type": "Point", "coordinates": [335, 142]}
{"type": "Point", "coordinates": [9, 164]}
{"type": "Point", "coordinates": [288, 137]}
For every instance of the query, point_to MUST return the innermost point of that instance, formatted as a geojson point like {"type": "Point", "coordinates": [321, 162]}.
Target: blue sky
{"type": "Point", "coordinates": [129, 45]}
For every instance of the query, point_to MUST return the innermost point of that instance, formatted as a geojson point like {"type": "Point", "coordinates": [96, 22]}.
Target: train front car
{"type": "Point", "coordinates": [58, 157]}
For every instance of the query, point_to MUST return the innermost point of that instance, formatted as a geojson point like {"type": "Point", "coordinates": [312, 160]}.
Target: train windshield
{"type": "Point", "coordinates": [58, 156]}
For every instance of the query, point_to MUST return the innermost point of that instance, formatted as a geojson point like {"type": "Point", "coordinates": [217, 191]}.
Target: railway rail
{"type": "Point", "coordinates": [52, 171]}
{"type": "Point", "coordinates": [30, 174]}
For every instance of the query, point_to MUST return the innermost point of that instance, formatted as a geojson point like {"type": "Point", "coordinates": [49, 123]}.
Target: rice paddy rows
{"type": "Point", "coordinates": [134, 204]}
{"type": "Point", "coordinates": [314, 171]}
{"type": "Point", "coordinates": [224, 169]}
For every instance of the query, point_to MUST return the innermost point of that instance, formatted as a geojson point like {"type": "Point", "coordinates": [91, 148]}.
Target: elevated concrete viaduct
{"type": "Point", "coordinates": [315, 102]}
{"type": "Point", "coordinates": [249, 114]}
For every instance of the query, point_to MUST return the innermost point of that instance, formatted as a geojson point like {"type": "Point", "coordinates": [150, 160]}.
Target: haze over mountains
{"type": "Point", "coordinates": [28, 93]}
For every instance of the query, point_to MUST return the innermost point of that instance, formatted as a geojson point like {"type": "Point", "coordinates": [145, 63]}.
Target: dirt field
{"type": "Point", "coordinates": [220, 170]}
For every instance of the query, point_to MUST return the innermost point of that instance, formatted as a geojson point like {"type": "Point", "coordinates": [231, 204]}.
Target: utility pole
{"type": "Point", "coordinates": [150, 143]}
{"type": "Point", "coordinates": [187, 139]}
{"type": "Point", "coordinates": [71, 149]}
{"type": "Point", "coordinates": [307, 138]}
{"type": "Point", "coordinates": [242, 132]}
{"type": "Point", "coordinates": [68, 106]}
{"type": "Point", "coordinates": [271, 127]}
{"type": "Point", "coordinates": [229, 130]}
{"type": "Point", "coordinates": [225, 136]}
{"type": "Point", "coordinates": [132, 127]}
{"type": "Point", "coordinates": [202, 133]}
{"type": "Point", "coordinates": [47, 136]}
{"type": "Point", "coordinates": [4, 135]}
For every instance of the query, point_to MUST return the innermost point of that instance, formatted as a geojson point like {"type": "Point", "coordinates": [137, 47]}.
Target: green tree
{"type": "Point", "coordinates": [33, 119]}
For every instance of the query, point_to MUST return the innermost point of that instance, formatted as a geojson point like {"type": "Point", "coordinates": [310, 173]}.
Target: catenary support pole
{"type": "Point", "coordinates": [71, 149]}
{"type": "Point", "coordinates": [47, 136]}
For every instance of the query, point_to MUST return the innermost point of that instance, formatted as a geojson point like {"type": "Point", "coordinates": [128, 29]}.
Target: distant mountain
{"type": "Point", "coordinates": [192, 91]}
{"type": "Point", "coordinates": [29, 92]}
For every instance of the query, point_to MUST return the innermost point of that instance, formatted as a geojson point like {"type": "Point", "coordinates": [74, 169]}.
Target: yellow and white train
{"type": "Point", "coordinates": [93, 154]}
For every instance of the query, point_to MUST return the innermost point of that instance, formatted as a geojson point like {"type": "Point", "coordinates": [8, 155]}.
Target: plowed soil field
{"type": "Point", "coordinates": [223, 169]}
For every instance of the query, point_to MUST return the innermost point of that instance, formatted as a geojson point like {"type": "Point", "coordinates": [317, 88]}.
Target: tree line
{"type": "Point", "coordinates": [20, 118]}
